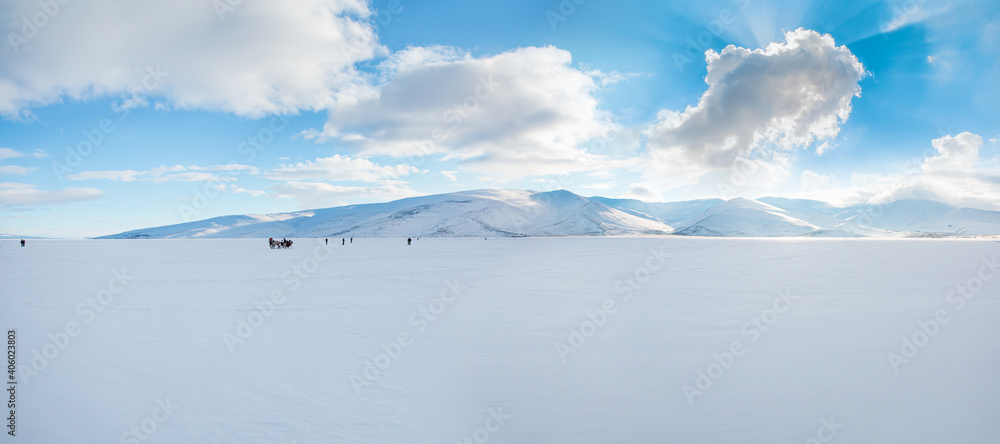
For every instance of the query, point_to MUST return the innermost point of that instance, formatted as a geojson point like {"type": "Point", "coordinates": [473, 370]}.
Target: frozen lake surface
{"type": "Point", "coordinates": [530, 340]}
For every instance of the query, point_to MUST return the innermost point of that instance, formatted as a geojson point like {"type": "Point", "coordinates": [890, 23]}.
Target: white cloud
{"type": "Point", "coordinates": [823, 148]}
{"type": "Point", "coordinates": [163, 173]}
{"type": "Point", "coordinates": [13, 169]}
{"type": "Point", "coordinates": [340, 168]}
{"type": "Point", "coordinates": [415, 57]}
{"type": "Point", "coordinates": [234, 167]}
{"type": "Point", "coordinates": [601, 174]}
{"type": "Point", "coordinates": [954, 175]}
{"type": "Point", "coordinates": [613, 77]}
{"type": "Point", "coordinates": [640, 193]}
{"type": "Point", "coordinates": [910, 12]}
{"type": "Point", "coordinates": [121, 176]}
{"type": "Point", "coordinates": [451, 175]}
{"type": "Point", "coordinates": [520, 113]}
{"type": "Point", "coordinates": [7, 153]}
{"type": "Point", "coordinates": [944, 63]}
{"type": "Point", "coordinates": [600, 186]}
{"type": "Point", "coordinates": [232, 188]}
{"type": "Point", "coordinates": [320, 194]}
{"type": "Point", "coordinates": [812, 180]}
{"type": "Point", "coordinates": [760, 104]}
{"type": "Point", "coordinates": [278, 57]}
{"type": "Point", "coordinates": [955, 154]}
{"type": "Point", "coordinates": [14, 194]}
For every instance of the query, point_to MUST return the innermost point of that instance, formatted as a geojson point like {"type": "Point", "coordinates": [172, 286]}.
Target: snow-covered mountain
{"type": "Point", "coordinates": [479, 213]}
{"type": "Point", "coordinates": [923, 216]}
{"type": "Point", "coordinates": [671, 213]}
{"type": "Point", "coordinates": [745, 217]}
{"type": "Point", "coordinates": [510, 213]}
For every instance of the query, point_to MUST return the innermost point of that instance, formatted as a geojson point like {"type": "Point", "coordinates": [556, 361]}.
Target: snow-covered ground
{"type": "Point", "coordinates": [520, 340]}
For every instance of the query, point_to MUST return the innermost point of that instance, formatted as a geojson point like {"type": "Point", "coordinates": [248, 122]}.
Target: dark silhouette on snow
{"type": "Point", "coordinates": [22, 242]}
{"type": "Point", "coordinates": [408, 240]}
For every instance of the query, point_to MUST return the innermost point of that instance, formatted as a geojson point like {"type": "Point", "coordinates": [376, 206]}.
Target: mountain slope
{"type": "Point", "coordinates": [464, 214]}
{"type": "Point", "coordinates": [670, 213]}
{"type": "Point", "coordinates": [512, 213]}
{"type": "Point", "coordinates": [926, 217]}
{"type": "Point", "coordinates": [744, 217]}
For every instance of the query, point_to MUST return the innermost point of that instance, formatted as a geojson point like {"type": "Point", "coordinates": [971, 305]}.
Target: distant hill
{"type": "Point", "coordinates": [514, 213]}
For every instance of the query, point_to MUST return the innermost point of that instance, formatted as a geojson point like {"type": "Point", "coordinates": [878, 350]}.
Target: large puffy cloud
{"type": "Point", "coordinates": [955, 153]}
{"type": "Point", "coordinates": [522, 112]}
{"type": "Point", "coordinates": [951, 171]}
{"type": "Point", "coordinates": [957, 176]}
{"type": "Point", "coordinates": [259, 57]}
{"type": "Point", "coordinates": [760, 105]}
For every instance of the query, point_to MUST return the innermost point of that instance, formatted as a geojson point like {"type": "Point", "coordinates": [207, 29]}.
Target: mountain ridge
{"type": "Point", "coordinates": [526, 213]}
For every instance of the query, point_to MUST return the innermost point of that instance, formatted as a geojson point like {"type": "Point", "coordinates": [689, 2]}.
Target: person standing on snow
{"type": "Point", "coordinates": [408, 240]}
{"type": "Point", "coordinates": [22, 242]}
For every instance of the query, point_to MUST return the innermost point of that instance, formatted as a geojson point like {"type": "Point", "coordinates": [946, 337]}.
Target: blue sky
{"type": "Point", "coordinates": [119, 115]}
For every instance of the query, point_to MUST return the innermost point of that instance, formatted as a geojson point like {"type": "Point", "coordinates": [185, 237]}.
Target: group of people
{"type": "Point", "coordinates": [287, 243]}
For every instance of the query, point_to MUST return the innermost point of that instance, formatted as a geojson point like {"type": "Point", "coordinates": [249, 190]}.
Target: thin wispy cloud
{"type": "Point", "coordinates": [14, 194]}
{"type": "Point", "coordinates": [163, 173]}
